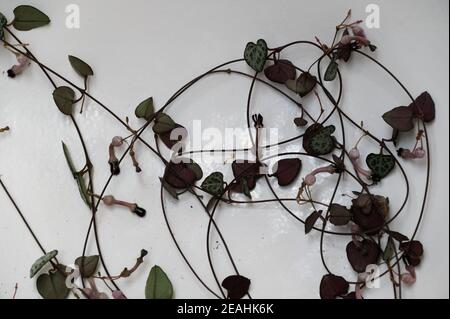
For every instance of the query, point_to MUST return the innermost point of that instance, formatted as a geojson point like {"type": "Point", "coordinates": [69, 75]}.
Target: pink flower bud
{"type": "Point", "coordinates": [354, 154]}
{"type": "Point", "coordinates": [419, 152]}
{"type": "Point", "coordinates": [117, 141]}
{"type": "Point", "coordinates": [109, 200]}
{"type": "Point", "coordinates": [310, 179]}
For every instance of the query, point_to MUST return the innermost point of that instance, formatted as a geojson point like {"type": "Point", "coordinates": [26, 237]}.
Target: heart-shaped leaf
{"type": "Point", "coordinates": [281, 71]}
{"type": "Point", "coordinates": [256, 55]}
{"type": "Point", "coordinates": [287, 170]}
{"type": "Point", "coordinates": [214, 184]}
{"type": "Point", "coordinates": [366, 253]}
{"type": "Point", "coordinates": [145, 110]}
{"type": "Point", "coordinates": [332, 286]}
{"type": "Point", "coordinates": [81, 67]}
{"type": "Point", "coordinates": [158, 285]}
{"type": "Point", "coordinates": [174, 136]}
{"type": "Point", "coordinates": [246, 171]}
{"type": "Point", "coordinates": [380, 165]}
{"type": "Point", "coordinates": [52, 285]}
{"type": "Point", "coordinates": [193, 166]}
{"type": "Point", "coordinates": [331, 72]}
{"type": "Point", "coordinates": [306, 83]}
{"type": "Point", "coordinates": [311, 220]}
{"type": "Point", "coordinates": [27, 18]}
{"type": "Point", "coordinates": [87, 265]}
{"type": "Point", "coordinates": [318, 140]}
{"type": "Point", "coordinates": [163, 124]}
{"type": "Point", "coordinates": [237, 286]}
{"type": "Point", "coordinates": [400, 118]}
{"type": "Point", "coordinates": [179, 175]}
{"type": "Point", "coordinates": [64, 98]}
{"type": "Point", "coordinates": [339, 215]}
{"type": "Point", "coordinates": [41, 262]}
{"type": "Point", "coordinates": [423, 107]}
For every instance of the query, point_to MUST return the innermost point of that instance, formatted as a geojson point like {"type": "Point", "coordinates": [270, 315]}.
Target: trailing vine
{"type": "Point", "coordinates": [366, 219]}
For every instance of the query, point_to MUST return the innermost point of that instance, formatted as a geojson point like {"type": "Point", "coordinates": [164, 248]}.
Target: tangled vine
{"type": "Point", "coordinates": [366, 220]}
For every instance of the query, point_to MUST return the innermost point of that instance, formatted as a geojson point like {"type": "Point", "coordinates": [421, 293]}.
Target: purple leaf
{"type": "Point", "coordinates": [237, 286]}
{"type": "Point", "coordinates": [333, 286]}
{"type": "Point", "coordinates": [362, 255]}
{"type": "Point", "coordinates": [281, 71]}
{"type": "Point", "coordinates": [287, 170]}
{"type": "Point", "coordinates": [311, 221]}
{"type": "Point", "coordinates": [423, 107]}
{"type": "Point", "coordinates": [400, 118]}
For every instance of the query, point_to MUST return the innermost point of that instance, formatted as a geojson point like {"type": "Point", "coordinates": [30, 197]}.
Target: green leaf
{"type": "Point", "coordinates": [245, 188]}
{"type": "Point", "coordinates": [81, 67]}
{"type": "Point", "coordinates": [27, 18]}
{"type": "Point", "coordinates": [389, 251]}
{"type": "Point", "coordinates": [52, 285]}
{"type": "Point", "coordinates": [163, 124]}
{"type": "Point", "coordinates": [87, 265]}
{"type": "Point", "coordinates": [41, 262]}
{"type": "Point", "coordinates": [3, 23]}
{"type": "Point", "coordinates": [213, 184]}
{"type": "Point", "coordinates": [158, 285]}
{"type": "Point", "coordinates": [64, 98]}
{"type": "Point", "coordinates": [331, 71]}
{"type": "Point", "coordinates": [145, 110]}
{"type": "Point", "coordinates": [322, 142]}
{"type": "Point", "coordinates": [77, 176]}
{"type": "Point", "coordinates": [380, 165]}
{"type": "Point", "coordinates": [169, 188]}
{"type": "Point", "coordinates": [256, 55]}
{"type": "Point", "coordinates": [306, 83]}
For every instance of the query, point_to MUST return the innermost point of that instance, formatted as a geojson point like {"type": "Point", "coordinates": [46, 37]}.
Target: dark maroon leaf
{"type": "Point", "coordinates": [179, 175]}
{"type": "Point", "coordinates": [287, 170]}
{"type": "Point", "coordinates": [397, 236]}
{"type": "Point", "coordinates": [300, 122]}
{"type": "Point", "coordinates": [339, 215]}
{"type": "Point", "coordinates": [333, 286]}
{"type": "Point", "coordinates": [178, 134]}
{"type": "Point", "coordinates": [371, 222]}
{"type": "Point", "coordinates": [237, 286]}
{"type": "Point", "coordinates": [311, 221]}
{"type": "Point", "coordinates": [366, 253]}
{"type": "Point", "coordinates": [400, 118]}
{"type": "Point", "coordinates": [343, 52]}
{"type": "Point", "coordinates": [247, 170]}
{"type": "Point", "coordinates": [423, 107]}
{"type": "Point", "coordinates": [306, 83]}
{"type": "Point", "coordinates": [281, 71]}
{"type": "Point", "coordinates": [413, 251]}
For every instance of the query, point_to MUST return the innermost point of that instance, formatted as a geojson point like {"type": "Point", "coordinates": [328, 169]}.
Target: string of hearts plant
{"type": "Point", "coordinates": [366, 219]}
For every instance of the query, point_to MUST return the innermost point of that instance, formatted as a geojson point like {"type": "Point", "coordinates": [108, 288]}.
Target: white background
{"type": "Point", "coordinates": [151, 48]}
